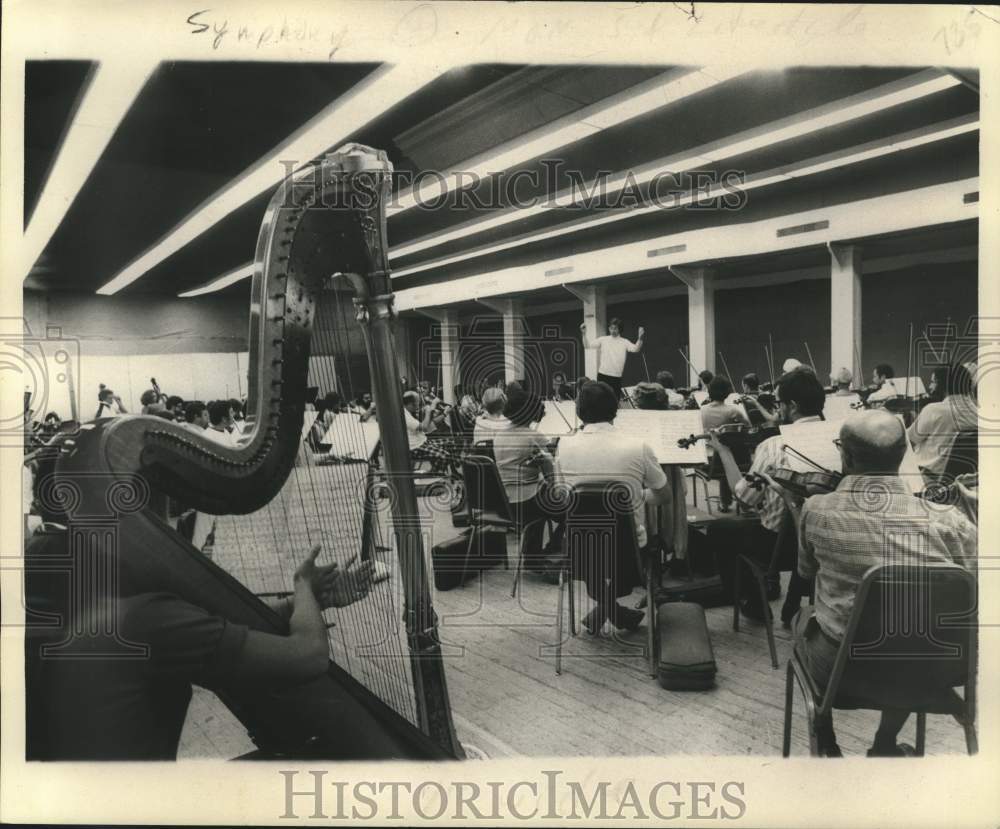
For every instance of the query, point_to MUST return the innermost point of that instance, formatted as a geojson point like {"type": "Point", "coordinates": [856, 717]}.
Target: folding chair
{"type": "Point", "coordinates": [910, 641]}
{"type": "Point", "coordinates": [600, 529]}
{"type": "Point", "coordinates": [489, 506]}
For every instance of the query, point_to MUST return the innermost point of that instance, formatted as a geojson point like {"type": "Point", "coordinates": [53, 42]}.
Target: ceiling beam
{"type": "Point", "coordinates": [908, 210]}
{"type": "Point", "coordinates": [655, 93]}
{"type": "Point", "coordinates": [106, 97]}
{"type": "Point", "coordinates": [364, 102]}
{"type": "Point", "coordinates": [869, 102]}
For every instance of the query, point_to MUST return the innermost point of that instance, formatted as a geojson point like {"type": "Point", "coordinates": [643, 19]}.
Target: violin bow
{"type": "Point", "coordinates": [645, 365]}
{"type": "Point", "coordinates": [729, 374]}
{"type": "Point", "coordinates": [686, 360]}
{"type": "Point", "coordinates": [807, 459]}
{"type": "Point", "coordinates": [770, 358]}
{"type": "Point", "coordinates": [859, 370]}
{"type": "Point", "coordinates": [809, 354]}
{"type": "Point", "coordinates": [909, 362]}
{"type": "Point", "coordinates": [770, 365]}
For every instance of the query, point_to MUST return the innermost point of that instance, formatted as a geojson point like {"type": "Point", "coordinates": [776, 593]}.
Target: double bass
{"type": "Point", "coordinates": [109, 483]}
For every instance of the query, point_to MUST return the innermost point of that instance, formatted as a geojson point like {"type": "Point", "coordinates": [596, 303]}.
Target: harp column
{"type": "Point", "coordinates": [845, 309]}
{"type": "Point", "coordinates": [594, 319]}
{"type": "Point", "coordinates": [511, 313]}
{"type": "Point", "coordinates": [700, 283]}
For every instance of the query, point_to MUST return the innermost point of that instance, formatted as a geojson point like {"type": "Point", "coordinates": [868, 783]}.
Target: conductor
{"type": "Point", "coordinates": [612, 350]}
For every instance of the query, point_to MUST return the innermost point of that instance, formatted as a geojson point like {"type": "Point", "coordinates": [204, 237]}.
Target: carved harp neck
{"type": "Point", "coordinates": [327, 219]}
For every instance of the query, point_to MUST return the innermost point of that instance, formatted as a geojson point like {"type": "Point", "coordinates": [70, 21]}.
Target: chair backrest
{"type": "Point", "coordinates": [600, 522]}
{"type": "Point", "coordinates": [912, 630]}
{"type": "Point", "coordinates": [484, 448]}
{"type": "Point", "coordinates": [484, 490]}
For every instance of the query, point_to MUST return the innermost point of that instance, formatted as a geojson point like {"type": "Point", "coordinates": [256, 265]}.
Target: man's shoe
{"type": "Point", "coordinates": [898, 750]}
{"type": "Point", "coordinates": [626, 618]}
{"type": "Point", "coordinates": [788, 612]}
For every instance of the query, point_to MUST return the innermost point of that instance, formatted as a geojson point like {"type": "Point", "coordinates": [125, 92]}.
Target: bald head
{"type": "Point", "coordinates": [873, 442]}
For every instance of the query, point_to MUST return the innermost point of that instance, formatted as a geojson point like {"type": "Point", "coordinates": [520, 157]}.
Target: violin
{"type": "Point", "coordinates": [728, 434]}
{"type": "Point", "coordinates": [800, 484]}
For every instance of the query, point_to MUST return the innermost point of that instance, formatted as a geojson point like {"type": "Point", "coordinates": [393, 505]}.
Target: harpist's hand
{"type": "Point", "coordinates": [348, 585]}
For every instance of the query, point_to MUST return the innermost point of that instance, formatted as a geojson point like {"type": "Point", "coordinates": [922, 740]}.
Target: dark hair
{"type": "Point", "coordinates": [751, 381]}
{"type": "Point", "coordinates": [523, 408]}
{"type": "Point", "coordinates": [665, 379]}
{"type": "Point", "coordinates": [235, 405]}
{"type": "Point", "coordinates": [615, 321]}
{"type": "Point", "coordinates": [719, 389]}
{"type": "Point", "coordinates": [330, 401]}
{"type": "Point", "coordinates": [885, 370]}
{"type": "Point", "coordinates": [953, 380]}
{"type": "Point", "coordinates": [105, 393]}
{"type": "Point", "coordinates": [149, 397]}
{"type": "Point", "coordinates": [218, 410]}
{"type": "Point", "coordinates": [802, 386]}
{"type": "Point", "coordinates": [51, 415]}
{"type": "Point", "coordinates": [173, 400]}
{"type": "Point", "coordinates": [596, 403]}
{"type": "Point", "coordinates": [706, 376]}
{"type": "Point", "coordinates": [193, 410]}
{"type": "Point", "coordinates": [166, 414]}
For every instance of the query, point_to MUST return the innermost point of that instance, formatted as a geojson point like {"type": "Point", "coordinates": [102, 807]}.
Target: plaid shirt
{"type": "Point", "coordinates": [873, 520]}
{"type": "Point", "coordinates": [770, 455]}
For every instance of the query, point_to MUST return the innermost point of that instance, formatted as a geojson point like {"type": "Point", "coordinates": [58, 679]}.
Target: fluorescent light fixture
{"type": "Point", "coordinates": [351, 111]}
{"type": "Point", "coordinates": [910, 88]}
{"type": "Point", "coordinates": [639, 100]}
{"type": "Point", "coordinates": [865, 152]}
{"type": "Point", "coordinates": [224, 281]}
{"type": "Point", "coordinates": [105, 101]}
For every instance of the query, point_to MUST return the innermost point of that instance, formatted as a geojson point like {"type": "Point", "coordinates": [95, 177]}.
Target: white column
{"type": "Point", "coordinates": [511, 312]}
{"type": "Point", "coordinates": [845, 309]}
{"type": "Point", "coordinates": [701, 318]}
{"type": "Point", "coordinates": [449, 354]}
{"type": "Point", "coordinates": [595, 319]}
{"type": "Point", "coordinates": [449, 330]}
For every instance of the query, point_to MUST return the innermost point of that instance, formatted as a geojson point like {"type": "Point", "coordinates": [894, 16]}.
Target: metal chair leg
{"type": "Point", "coordinates": [653, 626]}
{"type": "Point", "coordinates": [921, 740]}
{"type": "Point", "coordinates": [786, 740]}
{"type": "Point", "coordinates": [572, 601]}
{"type": "Point", "coordinates": [559, 625]}
{"type": "Point", "coordinates": [517, 569]}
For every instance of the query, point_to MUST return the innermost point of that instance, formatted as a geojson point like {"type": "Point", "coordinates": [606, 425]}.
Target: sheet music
{"type": "Point", "coordinates": [661, 430]}
{"type": "Point", "coordinates": [913, 386]}
{"type": "Point", "coordinates": [700, 396]}
{"type": "Point", "coordinates": [349, 437]}
{"type": "Point", "coordinates": [838, 409]}
{"type": "Point", "coordinates": [560, 418]}
{"type": "Point", "coordinates": [813, 439]}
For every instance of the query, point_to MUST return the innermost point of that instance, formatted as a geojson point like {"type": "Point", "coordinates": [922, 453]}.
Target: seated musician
{"type": "Point", "coordinates": [492, 420]}
{"type": "Point", "coordinates": [884, 390]}
{"type": "Point", "coordinates": [790, 365]}
{"type": "Point", "coordinates": [417, 427]}
{"type": "Point", "coordinates": [109, 708]}
{"type": "Point", "coordinates": [675, 400]}
{"type": "Point", "coordinates": [196, 415]}
{"type": "Point", "coordinates": [841, 382]}
{"type": "Point", "coordinates": [600, 453]}
{"type": "Point", "coordinates": [717, 412]}
{"type": "Point", "coordinates": [109, 404]}
{"type": "Point", "coordinates": [527, 471]}
{"type": "Point", "coordinates": [935, 428]}
{"type": "Point", "coordinates": [800, 400]}
{"type": "Point", "coordinates": [757, 411]}
{"type": "Point", "coordinates": [220, 422]}
{"type": "Point", "coordinates": [561, 389]}
{"type": "Point", "coordinates": [842, 535]}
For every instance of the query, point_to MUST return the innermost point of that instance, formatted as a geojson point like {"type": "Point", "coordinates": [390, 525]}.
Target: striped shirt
{"type": "Point", "coordinates": [770, 455]}
{"type": "Point", "coordinates": [868, 521]}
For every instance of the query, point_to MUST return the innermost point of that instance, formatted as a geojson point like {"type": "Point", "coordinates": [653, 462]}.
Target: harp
{"type": "Point", "coordinates": [385, 694]}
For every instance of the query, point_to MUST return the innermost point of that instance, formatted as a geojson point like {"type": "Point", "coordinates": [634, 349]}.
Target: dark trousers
{"type": "Point", "coordinates": [731, 537]}
{"type": "Point", "coordinates": [532, 511]}
{"type": "Point", "coordinates": [614, 382]}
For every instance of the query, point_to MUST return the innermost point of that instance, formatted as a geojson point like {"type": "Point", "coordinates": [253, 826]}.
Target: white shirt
{"type": "Point", "coordinates": [511, 448]}
{"type": "Point", "coordinates": [887, 391]}
{"type": "Point", "coordinates": [934, 430]}
{"type": "Point", "coordinates": [613, 351]}
{"type": "Point", "coordinates": [222, 437]}
{"type": "Point", "coordinates": [414, 433]}
{"type": "Point", "coordinates": [487, 427]}
{"type": "Point", "coordinates": [600, 453]}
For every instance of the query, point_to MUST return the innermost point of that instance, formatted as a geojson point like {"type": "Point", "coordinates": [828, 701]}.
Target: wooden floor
{"type": "Point", "coordinates": [508, 701]}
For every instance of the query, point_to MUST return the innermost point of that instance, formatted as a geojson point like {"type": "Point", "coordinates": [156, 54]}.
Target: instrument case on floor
{"type": "Point", "coordinates": [687, 662]}
{"type": "Point", "coordinates": [454, 563]}
{"type": "Point", "coordinates": [707, 592]}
